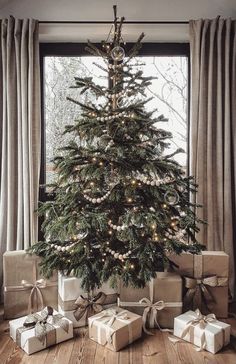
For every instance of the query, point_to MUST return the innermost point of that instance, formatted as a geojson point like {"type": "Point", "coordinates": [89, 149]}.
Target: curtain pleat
{"type": "Point", "coordinates": [20, 133]}
{"type": "Point", "coordinates": [213, 131]}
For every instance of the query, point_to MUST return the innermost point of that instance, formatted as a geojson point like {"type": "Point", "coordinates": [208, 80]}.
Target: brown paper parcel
{"type": "Point", "coordinates": [159, 302]}
{"type": "Point", "coordinates": [208, 290]}
{"type": "Point", "coordinates": [25, 290]}
{"type": "Point", "coordinates": [115, 328]}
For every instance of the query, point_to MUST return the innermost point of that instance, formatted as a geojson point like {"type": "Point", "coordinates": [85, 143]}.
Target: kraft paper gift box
{"type": "Point", "coordinates": [39, 331]}
{"type": "Point", "coordinates": [25, 289]}
{"type": "Point", "coordinates": [115, 328]}
{"type": "Point", "coordinates": [159, 302]}
{"type": "Point", "coordinates": [205, 281]}
{"type": "Point", "coordinates": [205, 332]}
{"type": "Point", "coordinates": [73, 301]}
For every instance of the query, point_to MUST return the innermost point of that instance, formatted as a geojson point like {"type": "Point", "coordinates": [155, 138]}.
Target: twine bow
{"type": "Point", "coordinates": [201, 321]}
{"type": "Point", "coordinates": [36, 302]}
{"type": "Point", "coordinates": [89, 306]}
{"type": "Point", "coordinates": [150, 314]}
{"type": "Point", "coordinates": [198, 293]}
{"type": "Point", "coordinates": [108, 318]}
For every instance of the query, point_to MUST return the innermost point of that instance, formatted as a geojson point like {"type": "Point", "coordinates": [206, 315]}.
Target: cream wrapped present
{"type": "Point", "coordinates": [206, 332]}
{"type": "Point", "coordinates": [115, 328]}
{"type": "Point", "coordinates": [205, 281]}
{"type": "Point", "coordinates": [76, 305]}
{"type": "Point", "coordinates": [159, 302]}
{"type": "Point", "coordinates": [38, 331]}
{"type": "Point", "coordinates": [25, 290]}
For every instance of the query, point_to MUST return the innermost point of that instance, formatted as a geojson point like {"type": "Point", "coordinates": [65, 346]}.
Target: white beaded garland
{"type": "Point", "coordinates": [152, 182]}
{"type": "Point", "coordinates": [117, 227]}
{"type": "Point", "coordinates": [97, 200]}
{"type": "Point", "coordinates": [118, 255]}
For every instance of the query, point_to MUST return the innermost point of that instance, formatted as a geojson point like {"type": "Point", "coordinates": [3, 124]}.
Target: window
{"type": "Point", "coordinates": [60, 63]}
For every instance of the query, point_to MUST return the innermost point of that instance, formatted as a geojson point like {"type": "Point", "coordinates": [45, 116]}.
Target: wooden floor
{"type": "Point", "coordinates": [155, 349]}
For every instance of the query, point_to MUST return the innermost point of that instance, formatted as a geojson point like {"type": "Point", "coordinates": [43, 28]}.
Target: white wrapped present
{"type": "Point", "coordinates": [206, 332]}
{"type": "Point", "coordinates": [75, 304]}
{"type": "Point", "coordinates": [38, 331]}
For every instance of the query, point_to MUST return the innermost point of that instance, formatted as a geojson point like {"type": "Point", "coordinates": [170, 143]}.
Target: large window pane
{"type": "Point", "coordinates": [59, 76]}
{"type": "Point", "coordinates": [169, 91]}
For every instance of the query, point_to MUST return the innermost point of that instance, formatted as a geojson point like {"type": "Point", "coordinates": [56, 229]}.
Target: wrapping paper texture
{"type": "Point", "coordinates": [165, 287]}
{"type": "Point", "coordinates": [30, 343]}
{"type": "Point", "coordinates": [69, 289]}
{"type": "Point", "coordinates": [16, 302]}
{"type": "Point", "coordinates": [217, 333]}
{"type": "Point", "coordinates": [206, 264]}
{"type": "Point", "coordinates": [122, 333]}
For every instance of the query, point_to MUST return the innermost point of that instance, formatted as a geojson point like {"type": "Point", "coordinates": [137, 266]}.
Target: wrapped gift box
{"type": "Point", "coordinates": [115, 328]}
{"type": "Point", "coordinates": [160, 301]}
{"type": "Point", "coordinates": [72, 298]}
{"type": "Point", "coordinates": [212, 336]}
{"type": "Point", "coordinates": [25, 290]}
{"type": "Point", "coordinates": [32, 339]}
{"type": "Point", "coordinates": [205, 280]}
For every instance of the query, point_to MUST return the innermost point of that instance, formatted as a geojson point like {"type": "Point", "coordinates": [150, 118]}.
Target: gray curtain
{"type": "Point", "coordinates": [19, 133]}
{"type": "Point", "coordinates": [213, 131]}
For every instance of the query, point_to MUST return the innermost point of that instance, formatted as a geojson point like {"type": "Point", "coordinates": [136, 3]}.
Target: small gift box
{"type": "Point", "coordinates": [159, 302]}
{"type": "Point", "coordinates": [25, 290]}
{"type": "Point", "coordinates": [115, 328]}
{"type": "Point", "coordinates": [205, 281]}
{"type": "Point", "coordinates": [206, 332]}
{"type": "Point", "coordinates": [38, 331]}
{"type": "Point", "coordinates": [77, 305]}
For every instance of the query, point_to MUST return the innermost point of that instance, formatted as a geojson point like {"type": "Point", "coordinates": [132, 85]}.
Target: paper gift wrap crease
{"type": "Point", "coordinates": [76, 305]}
{"type": "Point", "coordinates": [38, 331]}
{"type": "Point", "coordinates": [115, 328]}
{"type": "Point", "coordinates": [159, 302]}
{"type": "Point", "coordinates": [25, 290]}
{"type": "Point", "coordinates": [206, 332]}
{"type": "Point", "coordinates": [205, 281]}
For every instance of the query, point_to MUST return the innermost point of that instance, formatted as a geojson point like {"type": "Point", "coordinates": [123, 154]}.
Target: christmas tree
{"type": "Point", "coordinates": [121, 202]}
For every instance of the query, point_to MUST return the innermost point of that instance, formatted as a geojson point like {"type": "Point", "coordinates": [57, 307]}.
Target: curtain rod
{"type": "Point", "coordinates": [109, 22]}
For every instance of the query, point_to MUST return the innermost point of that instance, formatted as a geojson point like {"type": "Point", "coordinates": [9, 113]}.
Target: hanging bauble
{"type": "Point", "coordinates": [171, 197]}
{"type": "Point", "coordinates": [118, 53]}
{"type": "Point", "coordinates": [82, 234]}
{"type": "Point", "coordinates": [122, 102]}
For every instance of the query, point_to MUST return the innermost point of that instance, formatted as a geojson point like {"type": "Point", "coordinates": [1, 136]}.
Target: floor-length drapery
{"type": "Point", "coordinates": [20, 133]}
{"type": "Point", "coordinates": [213, 131]}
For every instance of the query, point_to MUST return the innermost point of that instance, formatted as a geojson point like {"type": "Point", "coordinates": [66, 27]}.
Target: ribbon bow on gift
{"type": "Point", "coordinates": [89, 306]}
{"type": "Point", "coordinates": [43, 324]}
{"type": "Point", "coordinates": [35, 298]}
{"type": "Point", "coordinates": [108, 317]}
{"type": "Point", "coordinates": [201, 321]}
{"type": "Point", "coordinates": [198, 293]}
{"type": "Point", "coordinates": [150, 314]}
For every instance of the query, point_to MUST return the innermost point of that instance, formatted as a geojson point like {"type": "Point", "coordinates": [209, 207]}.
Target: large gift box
{"type": "Point", "coordinates": [38, 331]}
{"type": "Point", "coordinates": [115, 328]}
{"type": "Point", "coordinates": [206, 332]}
{"type": "Point", "coordinates": [25, 289]}
{"type": "Point", "coordinates": [205, 281]}
{"type": "Point", "coordinates": [77, 305]}
{"type": "Point", "coordinates": [159, 302]}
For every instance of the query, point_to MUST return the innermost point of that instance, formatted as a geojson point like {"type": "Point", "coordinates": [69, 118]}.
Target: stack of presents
{"type": "Point", "coordinates": [188, 302]}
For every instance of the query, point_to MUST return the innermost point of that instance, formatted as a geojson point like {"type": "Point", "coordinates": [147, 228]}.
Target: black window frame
{"type": "Point", "coordinates": [78, 49]}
